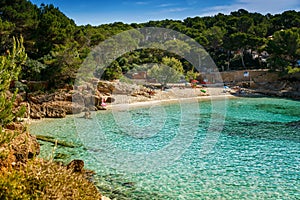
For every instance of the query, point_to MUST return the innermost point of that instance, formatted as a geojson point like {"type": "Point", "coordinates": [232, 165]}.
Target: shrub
{"type": "Point", "coordinates": [45, 180]}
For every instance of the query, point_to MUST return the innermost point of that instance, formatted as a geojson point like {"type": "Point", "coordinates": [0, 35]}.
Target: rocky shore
{"type": "Point", "coordinates": [263, 83]}
{"type": "Point", "coordinates": [101, 95]}
{"type": "Point", "coordinates": [25, 176]}
{"type": "Point", "coordinates": [90, 96]}
{"type": "Point", "coordinates": [284, 89]}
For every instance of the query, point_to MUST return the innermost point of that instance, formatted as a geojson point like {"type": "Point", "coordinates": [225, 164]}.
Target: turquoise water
{"type": "Point", "coordinates": [245, 148]}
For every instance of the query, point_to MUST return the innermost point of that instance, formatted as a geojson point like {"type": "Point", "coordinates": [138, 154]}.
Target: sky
{"type": "Point", "coordinates": [97, 12]}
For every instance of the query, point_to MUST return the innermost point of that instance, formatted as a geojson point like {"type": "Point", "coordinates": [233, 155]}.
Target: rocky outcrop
{"type": "Point", "coordinates": [76, 165]}
{"type": "Point", "coordinates": [18, 150]}
{"type": "Point", "coordinates": [54, 109]}
{"type": "Point", "coordinates": [24, 147]}
{"type": "Point", "coordinates": [89, 96]}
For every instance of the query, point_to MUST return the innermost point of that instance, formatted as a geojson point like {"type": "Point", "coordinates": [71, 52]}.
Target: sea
{"type": "Point", "coordinates": [224, 148]}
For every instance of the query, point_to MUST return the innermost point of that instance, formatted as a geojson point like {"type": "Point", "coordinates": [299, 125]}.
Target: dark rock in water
{"type": "Point", "coordinates": [61, 156]}
{"type": "Point", "coordinates": [87, 115]}
{"type": "Point", "coordinates": [294, 124]}
{"type": "Point", "coordinates": [76, 165]}
{"type": "Point", "coordinates": [55, 141]}
{"type": "Point", "coordinates": [128, 184]}
{"type": "Point", "coordinates": [248, 123]}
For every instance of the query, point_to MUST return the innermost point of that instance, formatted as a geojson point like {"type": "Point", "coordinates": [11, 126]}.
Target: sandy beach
{"type": "Point", "coordinates": [173, 95]}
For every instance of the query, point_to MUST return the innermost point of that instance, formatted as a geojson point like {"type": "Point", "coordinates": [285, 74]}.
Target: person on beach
{"type": "Point", "coordinates": [103, 104]}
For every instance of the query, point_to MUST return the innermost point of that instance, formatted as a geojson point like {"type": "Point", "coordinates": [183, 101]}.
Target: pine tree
{"type": "Point", "coordinates": [10, 67]}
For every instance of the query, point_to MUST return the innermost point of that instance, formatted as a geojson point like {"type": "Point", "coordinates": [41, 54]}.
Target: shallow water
{"type": "Point", "coordinates": [245, 148]}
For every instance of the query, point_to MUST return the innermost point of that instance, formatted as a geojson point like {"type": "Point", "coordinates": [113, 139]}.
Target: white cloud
{"type": "Point", "coordinates": [166, 5]}
{"type": "Point", "coordinates": [175, 9]}
{"type": "Point", "coordinates": [264, 7]}
{"type": "Point", "coordinates": [141, 2]}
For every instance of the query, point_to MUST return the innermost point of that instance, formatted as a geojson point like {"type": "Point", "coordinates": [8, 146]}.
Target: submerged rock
{"type": "Point", "coordinates": [55, 141]}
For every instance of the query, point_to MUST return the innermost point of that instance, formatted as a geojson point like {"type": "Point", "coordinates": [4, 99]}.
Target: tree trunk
{"type": "Point", "coordinates": [228, 66]}
{"type": "Point", "coordinates": [242, 57]}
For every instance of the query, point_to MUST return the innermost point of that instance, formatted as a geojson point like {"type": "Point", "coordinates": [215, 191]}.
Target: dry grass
{"type": "Point", "coordinates": [45, 180]}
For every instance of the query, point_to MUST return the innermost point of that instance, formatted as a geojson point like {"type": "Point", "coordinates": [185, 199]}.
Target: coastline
{"type": "Point", "coordinates": [150, 102]}
{"type": "Point", "coordinates": [170, 96]}
{"type": "Point", "coordinates": [162, 98]}
{"type": "Point", "coordinates": [167, 101]}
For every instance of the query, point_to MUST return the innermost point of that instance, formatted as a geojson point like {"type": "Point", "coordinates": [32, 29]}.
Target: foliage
{"type": "Point", "coordinates": [293, 70]}
{"type": "Point", "coordinates": [32, 69]}
{"type": "Point", "coordinates": [45, 180]}
{"type": "Point", "coordinates": [191, 75]}
{"type": "Point", "coordinates": [169, 72]}
{"type": "Point", "coordinates": [57, 47]}
{"type": "Point", "coordinates": [6, 137]}
{"type": "Point", "coordinates": [10, 67]}
{"type": "Point", "coordinates": [284, 47]}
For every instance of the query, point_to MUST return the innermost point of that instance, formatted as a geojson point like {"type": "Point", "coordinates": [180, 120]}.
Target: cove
{"type": "Point", "coordinates": [186, 151]}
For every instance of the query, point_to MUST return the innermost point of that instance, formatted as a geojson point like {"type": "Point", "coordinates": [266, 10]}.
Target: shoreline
{"type": "Point", "coordinates": [171, 96]}
{"type": "Point", "coordinates": [148, 103]}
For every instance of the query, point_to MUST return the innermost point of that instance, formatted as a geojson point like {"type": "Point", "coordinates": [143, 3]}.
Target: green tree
{"type": "Point", "coordinates": [215, 36]}
{"type": "Point", "coordinates": [10, 67]}
{"type": "Point", "coordinates": [169, 72]}
{"type": "Point", "coordinates": [284, 48]}
{"type": "Point", "coordinates": [32, 69]}
{"type": "Point", "coordinates": [178, 46]}
{"type": "Point", "coordinates": [6, 29]}
{"type": "Point", "coordinates": [237, 42]}
{"type": "Point", "coordinates": [112, 72]}
{"type": "Point", "coordinates": [191, 74]}
{"type": "Point", "coordinates": [54, 29]}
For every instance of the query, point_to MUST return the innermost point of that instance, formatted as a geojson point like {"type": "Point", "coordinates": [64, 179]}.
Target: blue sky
{"type": "Point", "coordinates": [96, 12]}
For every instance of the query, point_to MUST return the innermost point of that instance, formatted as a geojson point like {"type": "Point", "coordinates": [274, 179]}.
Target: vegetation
{"type": "Point", "coordinates": [10, 68]}
{"type": "Point", "coordinates": [169, 72]}
{"type": "Point", "coordinates": [45, 180]}
{"type": "Point", "coordinates": [32, 179]}
{"type": "Point", "coordinates": [51, 47]}
{"type": "Point", "coordinates": [56, 46]}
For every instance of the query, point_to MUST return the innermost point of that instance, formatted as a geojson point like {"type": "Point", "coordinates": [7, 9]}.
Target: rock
{"type": "Point", "coordinates": [78, 98]}
{"type": "Point", "coordinates": [15, 126]}
{"type": "Point", "coordinates": [37, 111]}
{"type": "Point", "coordinates": [76, 165]}
{"type": "Point", "coordinates": [105, 87]}
{"type": "Point", "coordinates": [24, 147]}
{"type": "Point", "coordinates": [55, 141]}
{"type": "Point", "coordinates": [54, 110]}
{"type": "Point", "coordinates": [61, 156]}
{"type": "Point", "coordinates": [87, 115]}
{"type": "Point", "coordinates": [91, 108]}
{"type": "Point", "coordinates": [76, 108]}
{"type": "Point", "coordinates": [101, 108]}
{"type": "Point", "coordinates": [71, 108]}
{"type": "Point", "coordinates": [110, 99]}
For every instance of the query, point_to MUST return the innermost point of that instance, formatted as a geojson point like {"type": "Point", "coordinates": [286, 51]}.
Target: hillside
{"type": "Point", "coordinates": [56, 46]}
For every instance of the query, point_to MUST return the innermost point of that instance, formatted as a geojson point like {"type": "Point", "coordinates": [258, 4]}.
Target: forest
{"type": "Point", "coordinates": [56, 46]}
{"type": "Point", "coordinates": [39, 43]}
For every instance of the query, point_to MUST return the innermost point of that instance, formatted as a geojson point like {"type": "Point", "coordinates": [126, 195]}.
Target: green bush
{"type": "Point", "coordinates": [292, 70]}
